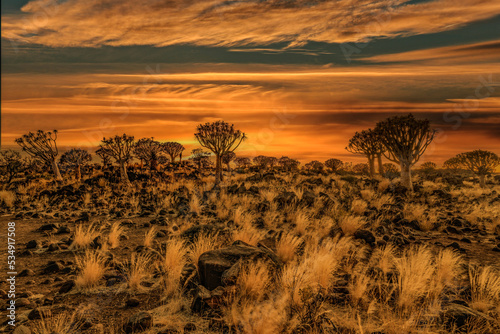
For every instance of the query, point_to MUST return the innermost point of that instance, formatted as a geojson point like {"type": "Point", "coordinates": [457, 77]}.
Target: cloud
{"type": "Point", "coordinates": [460, 54]}
{"type": "Point", "coordinates": [93, 23]}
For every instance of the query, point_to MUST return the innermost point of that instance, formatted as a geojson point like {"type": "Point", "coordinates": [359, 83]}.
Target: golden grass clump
{"type": "Point", "coordinates": [172, 262]}
{"type": "Point", "coordinates": [302, 221]}
{"type": "Point", "coordinates": [92, 267]}
{"type": "Point", "coordinates": [485, 288]}
{"type": "Point", "coordinates": [61, 323]}
{"type": "Point", "coordinates": [248, 234]}
{"type": "Point", "coordinates": [150, 236]}
{"type": "Point", "coordinates": [115, 232]}
{"type": "Point", "coordinates": [7, 197]}
{"type": "Point", "coordinates": [414, 211]}
{"type": "Point", "coordinates": [350, 224]}
{"type": "Point", "coordinates": [204, 243]}
{"type": "Point", "coordinates": [358, 206]}
{"type": "Point", "coordinates": [138, 269]}
{"type": "Point", "coordinates": [287, 246]}
{"type": "Point", "coordinates": [447, 265]}
{"type": "Point", "coordinates": [415, 271]}
{"type": "Point", "coordinates": [253, 281]}
{"type": "Point", "coordinates": [84, 236]}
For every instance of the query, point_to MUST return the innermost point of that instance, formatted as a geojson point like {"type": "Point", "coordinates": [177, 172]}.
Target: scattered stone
{"type": "Point", "coordinates": [21, 330]}
{"type": "Point", "coordinates": [26, 272]}
{"type": "Point", "coordinates": [67, 286]}
{"type": "Point", "coordinates": [32, 244]}
{"type": "Point", "coordinates": [365, 235]}
{"type": "Point", "coordinates": [132, 302]}
{"type": "Point", "coordinates": [139, 322]}
{"type": "Point", "coordinates": [53, 267]}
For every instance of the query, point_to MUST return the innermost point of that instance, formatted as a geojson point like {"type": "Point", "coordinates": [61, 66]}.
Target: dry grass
{"type": "Point", "coordinates": [415, 271]}
{"type": "Point", "coordinates": [414, 211]}
{"type": "Point", "coordinates": [115, 233]}
{"type": "Point", "coordinates": [204, 243]}
{"type": "Point", "coordinates": [7, 198]}
{"type": "Point", "coordinates": [485, 288]}
{"type": "Point", "coordinates": [138, 269]}
{"type": "Point", "coordinates": [62, 323]}
{"type": "Point", "coordinates": [254, 281]}
{"type": "Point", "coordinates": [150, 236]}
{"type": "Point", "coordinates": [172, 262]}
{"type": "Point", "coordinates": [287, 246]}
{"type": "Point", "coordinates": [358, 206]}
{"type": "Point", "coordinates": [302, 222]}
{"type": "Point", "coordinates": [84, 236]}
{"type": "Point", "coordinates": [350, 224]}
{"type": "Point", "coordinates": [92, 268]}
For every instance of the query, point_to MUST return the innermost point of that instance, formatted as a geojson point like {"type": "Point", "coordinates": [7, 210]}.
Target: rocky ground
{"type": "Point", "coordinates": [266, 253]}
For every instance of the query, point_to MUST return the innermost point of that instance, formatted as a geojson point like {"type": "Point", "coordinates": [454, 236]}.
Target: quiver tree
{"type": "Point", "coordinates": [75, 158]}
{"type": "Point", "coordinates": [104, 155]}
{"type": "Point", "coordinates": [428, 166]}
{"type": "Point", "coordinates": [272, 161]}
{"type": "Point", "coordinates": [200, 157]}
{"type": "Point", "coordinates": [261, 161]}
{"type": "Point", "coordinates": [11, 164]}
{"type": "Point", "coordinates": [220, 138]}
{"type": "Point", "coordinates": [390, 168]}
{"type": "Point", "coordinates": [288, 164]}
{"type": "Point", "coordinates": [242, 162]}
{"type": "Point", "coordinates": [361, 168]}
{"type": "Point", "coordinates": [479, 162]}
{"type": "Point", "coordinates": [120, 149]}
{"type": "Point", "coordinates": [314, 166]}
{"type": "Point", "coordinates": [334, 164]}
{"type": "Point", "coordinates": [147, 150]}
{"type": "Point", "coordinates": [452, 163]}
{"type": "Point", "coordinates": [173, 149]}
{"type": "Point", "coordinates": [42, 146]}
{"type": "Point", "coordinates": [227, 158]}
{"type": "Point", "coordinates": [367, 142]}
{"type": "Point", "coordinates": [405, 139]}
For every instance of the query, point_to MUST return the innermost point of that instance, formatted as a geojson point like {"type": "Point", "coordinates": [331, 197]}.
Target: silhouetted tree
{"type": "Point", "coordinates": [75, 158]}
{"type": "Point", "coordinates": [314, 166]}
{"type": "Point", "coordinates": [428, 166]}
{"type": "Point", "coordinates": [227, 158]}
{"type": "Point", "coordinates": [367, 142]}
{"type": "Point", "coordinates": [42, 146]}
{"type": "Point", "coordinates": [11, 164]}
{"type": "Point", "coordinates": [173, 149]}
{"type": "Point", "coordinates": [479, 162]}
{"type": "Point", "coordinates": [390, 168]}
{"type": "Point", "coordinates": [452, 163]}
{"type": "Point", "coordinates": [148, 150]}
{"type": "Point", "coordinates": [406, 139]}
{"type": "Point", "coordinates": [220, 138]}
{"type": "Point", "coordinates": [261, 161]}
{"type": "Point", "coordinates": [242, 162]}
{"type": "Point", "coordinates": [288, 164]}
{"type": "Point", "coordinates": [272, 161]}
{"type": "Point", "coordinates": [120, 149]}
{"type": "Point", "coordinates": [334, 164]}
{"type": "Point", "coordinates": [361, 168]}
{"type": "Point", "coordinates": [200, 157]}
{"type": "Point", "coordinates": [105, 157]}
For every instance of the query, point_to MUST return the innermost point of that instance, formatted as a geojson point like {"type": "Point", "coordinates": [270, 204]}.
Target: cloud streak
{"type": "Point", "coordinates": [93, 23]}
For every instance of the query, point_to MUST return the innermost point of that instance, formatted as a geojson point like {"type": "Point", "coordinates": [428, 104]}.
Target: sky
{"type": "Point", "coordinates": [299, 77]}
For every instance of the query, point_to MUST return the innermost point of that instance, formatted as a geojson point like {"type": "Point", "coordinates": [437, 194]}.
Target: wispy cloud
{"type": "Point", "coordinates": [92, 23]}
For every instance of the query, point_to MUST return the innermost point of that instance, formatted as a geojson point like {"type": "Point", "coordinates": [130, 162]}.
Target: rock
{"type": "Point", "coordinates": [213, 264]}
{"type": "Point", "coordinates": [230, 276]}
{"type": "Point", "coordinates": [63, 230]}
{"type": "Point", "coordinates": [32, 244]}
{"type": "Point", "coordinates": [36, 313]}
{"type": "Point", "coordinates": [53, 247]}
{"type": "Point", "coordinates": [139, 322]}
{"type": "Point", "coordinates": [132, 302]}
{"type": "Point", "coordinates": [365, 235]}
{"type": "Point", "coordinates": [189, 327]}
{"type": "Point", "coordinates": [48, 227]}
{"type": "Point", "coordinates": [53, 267]}
{"type": "Point", "coordinates": [21, 330]}
{"type": "Point", "coordinates": [456, 316]}
{"type": "Point", "coordinates": [67, 286]}
{"type": "Point", "coordinates": [26, 272]}
{"type": "Point", "coordinates": [451, 229]}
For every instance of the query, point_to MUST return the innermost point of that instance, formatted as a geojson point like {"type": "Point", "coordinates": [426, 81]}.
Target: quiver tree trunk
{"type": "Point", "coordinates": [380, 166]}
{"type": "Point", "coordinates": [78, 173]}
{"type": "Point", "coordinates": [218, 169]}
{"type": "Point", "coordinates": [406, 175]}
{"type": "Point", "coordinates": [123, 173]}
{"type": "Point", "coordinates": [371, 164]}
{"type": "Point", "coordinates": [482, 182]}
{"type": "Point", "coordinates": [55, 169]}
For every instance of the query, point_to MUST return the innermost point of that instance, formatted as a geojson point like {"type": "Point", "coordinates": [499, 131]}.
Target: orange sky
{"type": "Point", "coordinates": [67, 66]}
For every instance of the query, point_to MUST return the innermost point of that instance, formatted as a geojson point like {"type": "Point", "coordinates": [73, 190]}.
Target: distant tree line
{"type": "Point", "coordinates": [400, 139]}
